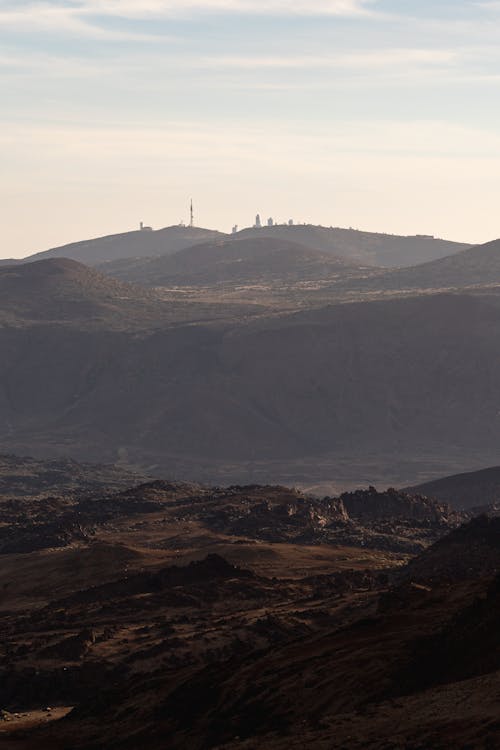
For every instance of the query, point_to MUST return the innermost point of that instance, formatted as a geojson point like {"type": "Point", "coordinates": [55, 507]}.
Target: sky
{"type": "Point", "coordinates": [383, 115]}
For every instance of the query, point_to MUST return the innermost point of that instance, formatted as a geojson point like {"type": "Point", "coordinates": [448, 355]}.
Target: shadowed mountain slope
{"type": "Point", "coordinates": [253, 260]}
{"type": "Point", "coordinates": [468, 490]}
{"type": "Point", "coordinates": [382, 378]}
{"type": "Point", "coordinates": [469, 552]}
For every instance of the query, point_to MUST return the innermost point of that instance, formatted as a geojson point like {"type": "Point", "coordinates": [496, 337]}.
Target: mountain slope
{"type": "Point", "coordinates": [479, 265]}
{"type": "Point", "coordinates": [468, 490]}
{"type": "Point", "coordinates": [468, 552]}
{"type": "Point", "coordinates": [360, 248]}
{"type": "Point", "coordinates": [62, 290]}
{"type": "Point", "coordinates": [243, 261]}
{"type": "Point", "coordinates": [385, 250]}
{"type": "Point", "coordinates": [357, 383]}
{"type": "Point", "coordinates": [130, 245]}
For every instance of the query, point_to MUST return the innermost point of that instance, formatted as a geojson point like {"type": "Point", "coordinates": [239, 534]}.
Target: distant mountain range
{"type": "Point", "coordinates": [360, 248]}
{"type": "Point", "coordinates": [478, 265]}
{"type": "Point", "coordinates": [104, 371]}
{"type": "Point", "coordinates": [244, 261]}
{"type": "Point", "coordinates": [267, 260]}
{"type": "Point", "coordinates": [138, 244]}
{"type": "Point", "coordinates": [205, 379]}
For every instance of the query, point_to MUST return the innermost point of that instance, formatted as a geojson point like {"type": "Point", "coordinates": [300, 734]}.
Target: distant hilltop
{"type": "Point", "coordinates": [360, 247]}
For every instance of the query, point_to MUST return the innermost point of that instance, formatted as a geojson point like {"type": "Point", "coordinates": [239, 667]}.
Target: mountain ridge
{"type": "Point", "coordinates": [128, 244]}
{"type": "Point", "coordinates": [241, 260]}
{"type": "Point", "coordinates": [474, 266]}
{"type": "Point", "coordinates": [365, 248]}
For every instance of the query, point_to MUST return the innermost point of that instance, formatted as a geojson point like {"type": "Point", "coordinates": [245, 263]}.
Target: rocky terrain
{"type": "Point", "coordinates": [246, 616]}
{"type": "Point", "coordinates": [25, 477]}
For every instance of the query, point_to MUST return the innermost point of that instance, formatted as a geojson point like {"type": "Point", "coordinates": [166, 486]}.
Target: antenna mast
{"type": "Point", "coordinates": [191, 220]}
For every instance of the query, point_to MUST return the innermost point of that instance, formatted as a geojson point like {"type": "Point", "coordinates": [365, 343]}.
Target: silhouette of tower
{"type": "Point", "coordinates": [191, 215]}
{"type": "Point", "coordinates": [258, 222]}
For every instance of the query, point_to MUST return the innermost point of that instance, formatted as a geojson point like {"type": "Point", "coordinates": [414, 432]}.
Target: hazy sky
{"type": "Point", "coordinates": [378, 114]}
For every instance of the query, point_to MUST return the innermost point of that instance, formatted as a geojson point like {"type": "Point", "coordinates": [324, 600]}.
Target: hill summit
{"type": "Point", "coordinates": [61, 289]}
{"type": "Point", "coordinates": [130, 245]}
{"type": "Point", "coordinates": [249, 260]}
{"type": "Point", "coordinates": [359, 247]}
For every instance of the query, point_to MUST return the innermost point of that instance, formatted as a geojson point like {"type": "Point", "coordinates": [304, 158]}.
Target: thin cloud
{"type": "Point", "coordinates": [377, 58]}
{"type": "Point", "coordinates": [188, 140]}
{"type": "Point", "coordinates": [81, 17]}
{"type": "Point", "coordinates": [62, 19]}
{"type": "Point", "coordinates": [48, 65]}
{"type": "Point", "coordinates": [158, 8]}
{"type": "Point", "coordinates": [396, 62]}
